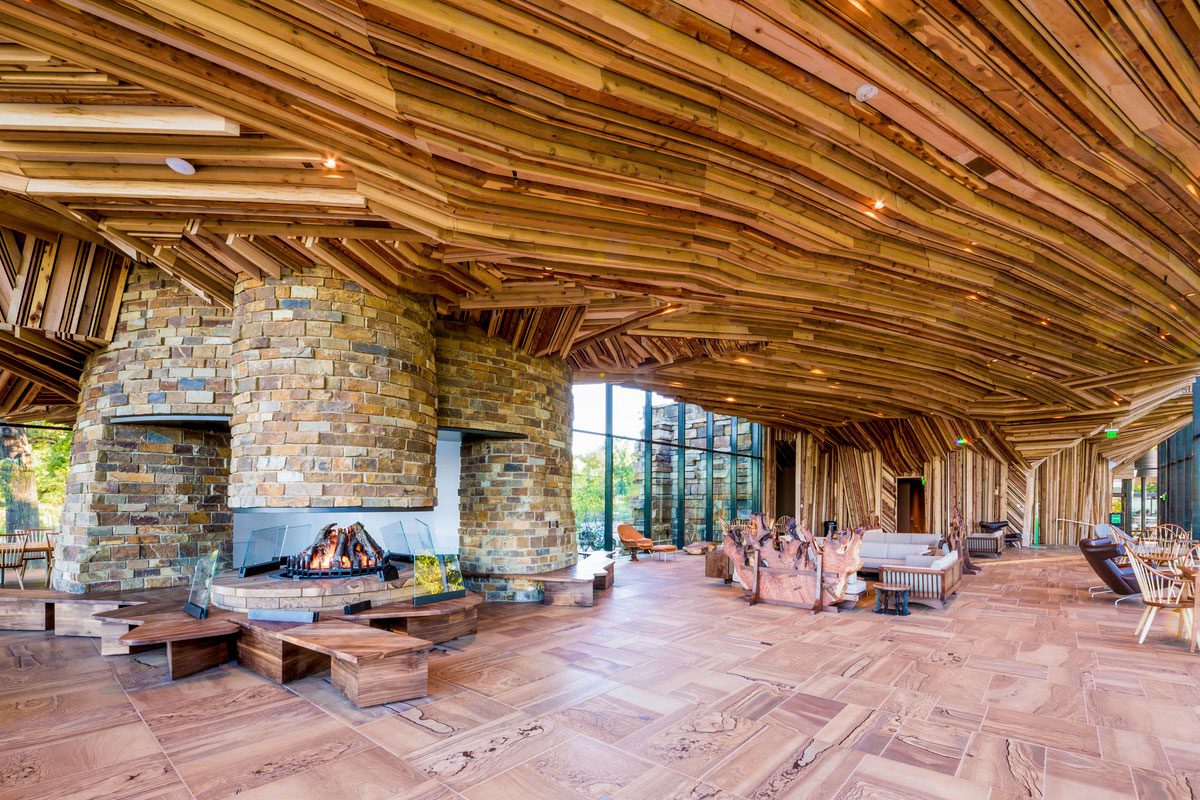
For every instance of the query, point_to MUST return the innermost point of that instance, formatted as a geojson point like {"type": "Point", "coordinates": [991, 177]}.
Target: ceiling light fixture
{"type": "Point", "coordinates": [730, 399]}
{"type": "Point", "coordinates": [879, 205]}
{"type": "Point", "coordinates": [182, 166]}
{"type": "Point", "coordinates": [330, 163]}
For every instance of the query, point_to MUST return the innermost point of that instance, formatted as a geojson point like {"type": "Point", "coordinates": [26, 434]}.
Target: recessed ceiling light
{"type": "Point", "coordinates": [730, 399]}
{"type": "Point", "coordinates": [330, 163]}
{"type": "Point", "coordinates": [866, 93]}
{"type": "Point", "coordinates": [182, 166]}
{"type": "Point", "coordinates": [878, 205]}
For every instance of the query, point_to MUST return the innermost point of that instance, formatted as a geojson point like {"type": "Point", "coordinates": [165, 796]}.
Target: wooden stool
{"type": "Point", "coordinates": [891, 598]}
{"type": "Point", "coordinates": [663, 550]}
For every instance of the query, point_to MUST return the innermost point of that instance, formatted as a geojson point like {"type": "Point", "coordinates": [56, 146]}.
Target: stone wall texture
{"type": "Point", "coordinates": [169, 354]}
{"type": "Point", "coordinates": [516, 512]}
{"type": "Point", "coordinates": [334, 395]}
{"type": "Point", "coordinates": [142, 502]}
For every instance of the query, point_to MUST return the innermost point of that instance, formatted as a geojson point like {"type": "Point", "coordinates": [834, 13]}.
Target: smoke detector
{"type": "Point", "coordinates": [181, 166]}
{"type": "Point", "coordinates": [866, 93]}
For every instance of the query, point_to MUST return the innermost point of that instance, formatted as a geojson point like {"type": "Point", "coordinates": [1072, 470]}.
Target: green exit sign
{"type": "Point", "coordinates": [1116, 518]}
{"type": "Point", "coordinates": [1110, 433]}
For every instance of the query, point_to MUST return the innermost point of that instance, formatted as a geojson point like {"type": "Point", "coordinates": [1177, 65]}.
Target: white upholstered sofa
{"type": "Point", "coordinates": [905, 559]}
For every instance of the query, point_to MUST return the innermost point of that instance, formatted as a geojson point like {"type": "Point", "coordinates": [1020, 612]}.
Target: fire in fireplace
{"type": "Point", "coordinates": [337, 553]}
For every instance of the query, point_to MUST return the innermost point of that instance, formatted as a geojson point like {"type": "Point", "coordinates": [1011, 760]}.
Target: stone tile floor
{"type": "Point", "coordinates": [670, 688]}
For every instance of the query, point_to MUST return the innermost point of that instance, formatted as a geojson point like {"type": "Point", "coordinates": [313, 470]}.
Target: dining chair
{"type": "Point", "coordinates": [12, 556]}
{"type": "Point", "coordinates": [1162, 587]}
{"type": "Point", "coordinates": [45, 538]}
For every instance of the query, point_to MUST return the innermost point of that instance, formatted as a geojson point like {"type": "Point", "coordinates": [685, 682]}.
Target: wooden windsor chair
{"type": "Point", "coordinates": [1163, 587]}
{"type": "Point", "coordinates": [40, 547]}
{"type": "Point", "coordinates": [12, 556]}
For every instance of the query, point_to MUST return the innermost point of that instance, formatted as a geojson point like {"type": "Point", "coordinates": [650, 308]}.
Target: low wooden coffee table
{"type": "Point", "coordinates": [891, 598]}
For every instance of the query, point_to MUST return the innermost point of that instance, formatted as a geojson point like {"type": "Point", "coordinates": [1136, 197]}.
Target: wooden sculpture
{"type": "Point", "coordinates": [956, 538]}
{"type": "Point", "coordinates": [780, 563]}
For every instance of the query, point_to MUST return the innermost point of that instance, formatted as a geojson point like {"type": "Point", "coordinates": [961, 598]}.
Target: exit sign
{"type": "Point", "coordinates": [1116, 518]}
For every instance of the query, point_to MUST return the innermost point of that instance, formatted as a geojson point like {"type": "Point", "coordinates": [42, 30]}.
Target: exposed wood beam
{"type": "Point", "coordinates": [114, 119]}
{"type": "Point", "coordinates": [632, 321]}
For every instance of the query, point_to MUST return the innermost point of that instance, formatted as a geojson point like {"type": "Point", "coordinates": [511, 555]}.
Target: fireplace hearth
{"type": "Point", "coordinates": [337, 553]}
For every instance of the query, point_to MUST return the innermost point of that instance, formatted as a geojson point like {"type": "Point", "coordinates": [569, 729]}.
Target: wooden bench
{"type": "Point", "coordinates": [115, 623]}
{"type": "Point", "coordinates": [368, 665]}
{"type": "Point", "coordinates": [193, 645]}
{"type": "Point", "coordinates": [569, 586]}
{"type": "Point", "coordinates": [70, 614]}
{"type": "Point", "coordinates": [436, 622]}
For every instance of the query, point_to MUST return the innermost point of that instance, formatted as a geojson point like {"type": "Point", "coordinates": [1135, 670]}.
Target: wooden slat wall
{"type": "Point", "coordinates": [887, 495]}
{"type": "Point", "coordinates": [855, 487]}
{"type": "Point", "coordinates": [1017, 493]}
{"type": "Point", "coordinates": [1074, 484]}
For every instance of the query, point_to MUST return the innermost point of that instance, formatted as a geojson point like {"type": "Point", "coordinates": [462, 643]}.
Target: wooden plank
{"type": "Point", "coordinates": [351, 642]}
{"type": "Point", "coordinates": [115, 119]}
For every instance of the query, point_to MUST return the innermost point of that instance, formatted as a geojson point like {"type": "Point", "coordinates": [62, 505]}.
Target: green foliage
{"type": "Point", "coordinates": [51, 463]}
{"type": "Point", "coordinates": [52, 460]}
{"type": "Point", "coordinates": [587, 491]}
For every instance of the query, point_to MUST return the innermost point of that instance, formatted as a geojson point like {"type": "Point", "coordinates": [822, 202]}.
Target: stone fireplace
{"type": "Point", "coordinates": [314, 398]}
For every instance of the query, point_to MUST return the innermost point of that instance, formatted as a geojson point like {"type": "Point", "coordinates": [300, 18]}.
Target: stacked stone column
{"type": "Point", "coordinates": [516, 514]}
{"type": "Point", "coordinates": [143, 501]}
{"type": "Point", "coordinates": [334, 398]}
{"type": "Point", "coordinates": [334, 395]}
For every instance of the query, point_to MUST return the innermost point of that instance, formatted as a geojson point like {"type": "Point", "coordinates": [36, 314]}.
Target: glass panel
{"type": "Point", "coordinates": [695, 426]}
{"type": "Point", "coordinates": [663, 482]}
{"type": "Point", "coordinates": [747, 502]}
{"type": "Point", "coordinates": [629, 412]}
{"type": "Point", "coordinates": [587, 489]}
{"type": "Point", "coordinates": [1151, 502]}
{"type": "Point", "coordinates": [657, 486]}
{"type": "Point", "coordinates": [722, 432]}
{"type": "Point", "coordinates": [695, 494]}
{"type": "Point", "coordinates": [664, 420]}
{"type": "Point", "coordinates": [722, 486]}
{"type": "Point", "coordinates": [628, 484]}
{"type": "Point", "coordinates": [745, 436]}
{"type": "Point", "coordinates": [589, 407]}
{"type": "Point", "coordinates": [264, 546]}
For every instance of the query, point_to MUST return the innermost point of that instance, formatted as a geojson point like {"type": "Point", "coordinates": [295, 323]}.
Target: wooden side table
{"type": "Point", "coordinates": [891, 598]}
{"type": "Point", "coordinates": [716, 565]}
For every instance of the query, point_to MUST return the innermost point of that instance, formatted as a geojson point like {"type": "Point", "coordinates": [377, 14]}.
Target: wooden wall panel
{"type": "Point", "coordinates": [1074, 485]}
{"type": "Point", "coordinates": [887, 498]}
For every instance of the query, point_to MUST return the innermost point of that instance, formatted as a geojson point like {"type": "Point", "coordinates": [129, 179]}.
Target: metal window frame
{"type": "Point", "coordinates": [679, 449]}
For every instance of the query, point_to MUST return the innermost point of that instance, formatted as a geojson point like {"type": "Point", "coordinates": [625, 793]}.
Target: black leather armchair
{"type": "Point", "coordinates": [1102, 555]}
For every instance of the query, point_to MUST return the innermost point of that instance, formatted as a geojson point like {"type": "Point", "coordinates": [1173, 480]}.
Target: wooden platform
{"type": "Point", "coordinates": [368, 665]}
{"type": "Point", "coordinates": [437, 622]}
{"type": "Point", "coordinates": [570, 586]}
{"type": "Point", "coordinates": [70, 614]}
{"type": "Point", "coordinates": [193, 645]}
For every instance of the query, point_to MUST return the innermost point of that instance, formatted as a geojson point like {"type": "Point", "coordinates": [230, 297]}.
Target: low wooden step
{"type": "Point", "coordinates": [193, 645]}
{"type": "Point", "coordinates": [435, 622]}
{"type": "Point", "coordinates": [368, 665]}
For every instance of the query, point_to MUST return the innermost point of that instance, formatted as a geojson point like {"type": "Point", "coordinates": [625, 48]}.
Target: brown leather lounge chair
{"type": "Point", "coordinates": [1105, 557]}
{"type": "Point", "coordinates": [635, 543]}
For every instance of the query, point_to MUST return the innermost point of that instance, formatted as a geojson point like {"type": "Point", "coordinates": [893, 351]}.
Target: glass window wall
{"type": "Point", "coordinates": [673, 471]}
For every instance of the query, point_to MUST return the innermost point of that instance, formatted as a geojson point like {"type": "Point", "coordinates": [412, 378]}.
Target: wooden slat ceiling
{"type": "Point", "coordinates": [686, 196]}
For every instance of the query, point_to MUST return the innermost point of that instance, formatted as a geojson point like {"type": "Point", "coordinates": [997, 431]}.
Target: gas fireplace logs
{"type": "Point", "coordinates": [337, 553]}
